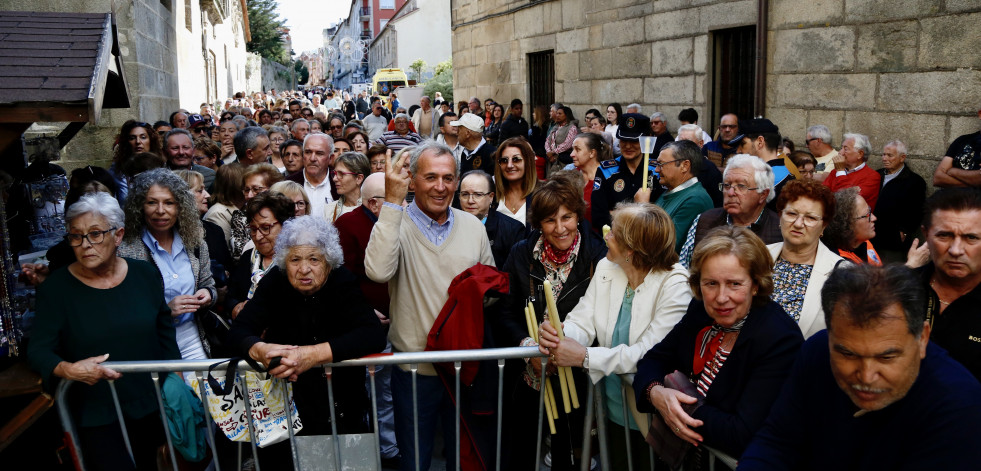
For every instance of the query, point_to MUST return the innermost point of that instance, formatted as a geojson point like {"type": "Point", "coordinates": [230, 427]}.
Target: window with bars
{"type": "Point", "coordinates": [541, 79]}
{"type": "Point", "coordinates": [733, 60]}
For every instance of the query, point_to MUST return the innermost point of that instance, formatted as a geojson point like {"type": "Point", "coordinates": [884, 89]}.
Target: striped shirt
{"type": "Point", "coordinates": [396, 142]}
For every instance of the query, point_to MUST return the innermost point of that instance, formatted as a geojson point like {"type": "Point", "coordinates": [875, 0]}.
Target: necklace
{"type": "Point", "coordinates": [945, 303]}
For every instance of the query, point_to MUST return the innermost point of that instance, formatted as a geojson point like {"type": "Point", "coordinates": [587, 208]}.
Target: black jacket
{"type": "Point", "coordinates": [513, 127]}
{"type": "Point", "coordinates": [338, 314]}
{"type": "Point", "coordinates": [899, 209]}
{"type": "Point", "coordinates": [526, 274]}
{"type": "Point", "coordinates": [503, 232]}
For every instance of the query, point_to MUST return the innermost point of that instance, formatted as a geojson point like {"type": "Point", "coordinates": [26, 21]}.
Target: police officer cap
{"type": "Point", "coordinates": [754, 127]}
{"type": "Point", "coordinates": [633, 125]}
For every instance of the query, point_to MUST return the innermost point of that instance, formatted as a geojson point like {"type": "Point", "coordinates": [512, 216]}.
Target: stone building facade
{"type": "Point", "coordinates": [908, 70]}
{"type": "Point", "coordinates": [176, 54]}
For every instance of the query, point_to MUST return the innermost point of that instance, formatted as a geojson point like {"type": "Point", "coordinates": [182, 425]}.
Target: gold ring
{"type": "Point", "coordinates": [677, 429]}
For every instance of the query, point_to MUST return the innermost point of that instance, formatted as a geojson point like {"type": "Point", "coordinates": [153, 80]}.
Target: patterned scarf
{"type": "Point", "coordinates": [240, 233]}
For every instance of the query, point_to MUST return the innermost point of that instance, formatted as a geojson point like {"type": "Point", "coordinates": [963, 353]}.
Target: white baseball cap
{"type": "Point", "coordinates": [470, 121]}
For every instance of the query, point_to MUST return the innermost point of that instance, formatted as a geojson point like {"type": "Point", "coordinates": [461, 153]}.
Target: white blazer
{"type": "Point", "coordinates": [811, 314]}
{"type": "Point", "coordinates": [659, 303]}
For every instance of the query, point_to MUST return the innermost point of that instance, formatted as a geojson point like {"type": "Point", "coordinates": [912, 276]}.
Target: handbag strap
{"type": "Point", "coordinates": [230, 369]}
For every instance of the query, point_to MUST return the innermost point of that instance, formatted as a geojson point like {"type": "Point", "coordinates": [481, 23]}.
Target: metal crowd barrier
{"type": "Point", "coordinates": [594, 406]}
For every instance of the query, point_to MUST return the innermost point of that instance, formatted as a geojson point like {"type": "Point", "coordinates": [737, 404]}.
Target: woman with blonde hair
{"type": "Point", "coordinates": [295, 192]}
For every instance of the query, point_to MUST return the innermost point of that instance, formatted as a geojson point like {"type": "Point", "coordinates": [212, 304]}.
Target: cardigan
{"type": "Point", "coordinates": [130, 322]}
{"type": "Point", "coordinates": [811, 313]}
{"type": "Point", "coordinates": [658, 304]}
{"type": "Point", "coordinates": [812, 425]}
{"type": "Point", "coordinates": [419, 272]}
{"type": "Point", "coordinates": [740, 397]}
{"type": "Point", "coordinates": [682, 206]}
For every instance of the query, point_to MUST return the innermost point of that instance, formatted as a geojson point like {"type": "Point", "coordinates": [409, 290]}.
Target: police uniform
{"type": "Point", "coordinates": [614, 183]}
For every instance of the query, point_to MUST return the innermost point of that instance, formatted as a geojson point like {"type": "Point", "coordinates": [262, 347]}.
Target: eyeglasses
{"type": "Point", "coordinates": [514, 160]}
{"type": "Point", "coordinates": [657, 164]}
{"type": "Point", "coordinates": [254, 189]}
{"type": "Point", "coordinates": [739, 188]}
{"type": "Point", "coordinates": [94, 237]}
{"type": "Point", "coordinates": [202, 129]}
{"type": "Point", "coordinates": [866, 215]}
{"type": "Point", "coordinates": [345, 173]}
{"type": "Point", "coordinates": [475, 195]}
{"type": "Point", "coordinates": [337, 127]}
{"type": "Point", "coordinates": [790, 216]}
{"type": "Point", "coordinates": [287, 120]}
{"type": "Point", "coordinates": [300, 204]}
{"type": "Point", "coordinates": [807, 141]}
{"type": "Point", "coordinates": [264, 229]}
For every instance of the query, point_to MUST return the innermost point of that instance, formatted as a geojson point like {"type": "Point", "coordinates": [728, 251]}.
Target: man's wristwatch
{"type": "Point", "coordinates": [585, 360]}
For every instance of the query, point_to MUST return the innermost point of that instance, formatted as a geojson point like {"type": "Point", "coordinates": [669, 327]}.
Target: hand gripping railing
{"type": "Point", "coordinates": [412, 359]}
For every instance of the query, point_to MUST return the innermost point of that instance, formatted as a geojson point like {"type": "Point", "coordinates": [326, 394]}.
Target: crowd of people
{"type": "Point", "coordinates": [328, 228]}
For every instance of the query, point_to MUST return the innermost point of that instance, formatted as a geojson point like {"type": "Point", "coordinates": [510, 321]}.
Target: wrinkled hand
{"type": "Point", "coordinates": [186, 303]}
{"type": "Point", "coordinates": [839, 162]}
{"type": "Point", "coordinates": [34, 273]}
{"type": "Point", "coordinates": [396, 181]}
{"type": "Point", "coordinates": [642, 195]}
{"type": "Point", "coordinates": [227, 148]}
{"type": "Point", "coordinates": [566, 352]}
{"type": "Point", "coordinates": [917, 256]}
{"type": "Point", "coordinates": [89, 370]}
{"type": "Point", "coordinates": [382, 318]}
{"type": "Point", "coordinates": [668, 403]}
{"type": "Point", "coordinates": [295, 360]}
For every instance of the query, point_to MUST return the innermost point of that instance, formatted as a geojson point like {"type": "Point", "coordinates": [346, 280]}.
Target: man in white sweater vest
{"type": "Point", "coordinates": [418, 250]}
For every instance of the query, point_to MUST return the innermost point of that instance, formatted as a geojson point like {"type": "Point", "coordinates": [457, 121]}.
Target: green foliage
{"type": "Point", "coordinates": [441, 82]}
{"type": "Point", "coordinates": [443, 66]}
{"type": "Point", "coordinates": [265, 26]}
{"type": "Point", "coordinates": [302, 72]}
{"type": "Point", "coordinates": [418, 66]}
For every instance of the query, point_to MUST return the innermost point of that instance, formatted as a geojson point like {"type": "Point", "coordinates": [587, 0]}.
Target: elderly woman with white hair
{"type": "Point", "coordinates": [98, 307]}
{"type": "Point", "coordinates": [747, 187]}
{"type": "Point", "coordinates": [309, 310]}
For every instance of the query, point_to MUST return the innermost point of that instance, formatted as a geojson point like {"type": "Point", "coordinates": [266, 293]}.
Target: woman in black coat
{"type": "Point", "coordinates": [563, 251]}
{"type": "Point", "coordinates": [734, 343]}
{"type": "Point", "coordinates": [308, 310]}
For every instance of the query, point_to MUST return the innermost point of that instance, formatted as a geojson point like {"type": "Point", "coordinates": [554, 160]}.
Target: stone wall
{"type": "Point", "coordinates": [907, 70]}
{"type": "Point", "coordinates": [264, 74]}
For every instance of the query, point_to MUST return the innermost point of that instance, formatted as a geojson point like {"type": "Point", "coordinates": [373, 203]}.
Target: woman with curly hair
{"type": "Point", "coordinates": [163, 228]}
{"type": "Point", "coordinates": [134, 137]}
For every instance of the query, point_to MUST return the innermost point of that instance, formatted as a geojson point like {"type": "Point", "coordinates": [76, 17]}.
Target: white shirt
{"type": "Point", "coordinates": [457, 151]}
{"type": "Point", "coordinates": [319, 195]}
{"type": "Point", "coordinates": [520, 215]}
{"type": "Point", "coordinates": [375, 126]}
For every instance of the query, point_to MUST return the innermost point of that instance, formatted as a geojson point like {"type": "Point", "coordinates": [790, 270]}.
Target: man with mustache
{"type": "Point", "coordinates": [891, 399]}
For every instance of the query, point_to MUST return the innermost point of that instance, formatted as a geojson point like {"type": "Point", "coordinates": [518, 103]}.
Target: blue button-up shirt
{"type": "Point", "coordinates": [432, 230]}
{"type": "Point", "coordinates": [175, 267]}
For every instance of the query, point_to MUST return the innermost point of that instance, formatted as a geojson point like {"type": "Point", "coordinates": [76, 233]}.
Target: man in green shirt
{"type": "Point", "coordinates": [683, 198]}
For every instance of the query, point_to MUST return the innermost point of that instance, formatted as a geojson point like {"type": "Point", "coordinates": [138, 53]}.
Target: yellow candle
{"type": "Point", "coordinates": [647, 162]}
{"type": "Point", "coordinates": [553, 318]}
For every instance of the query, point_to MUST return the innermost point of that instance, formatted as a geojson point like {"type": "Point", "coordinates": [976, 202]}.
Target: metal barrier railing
{"type": "Point", "coordinates": [594, 405]}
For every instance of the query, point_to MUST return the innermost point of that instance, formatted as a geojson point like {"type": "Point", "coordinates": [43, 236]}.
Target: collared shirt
{"type": "Point", "coordinates": [432, 230]}
{"type": "Point", "coordinates": [888, 177]}
{"type": "Point", "coordinates": [175, 267]}
{"type": "Point", "coordinates": [691, 181]}
{"type": "Point", "coordinates": [467, 153]}
{"type": "Point", "coordinates": [841, 173]}
{"type": "Point", "coordinates": [457, 150]}
{"type": "Point", "coordinates": [319, 195]}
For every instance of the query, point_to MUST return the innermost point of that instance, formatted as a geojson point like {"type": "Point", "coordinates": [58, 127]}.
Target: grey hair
{"type": "Point", "coordinates": [659, 115]}
{"type": "Point", "coordinates": [437, 149]}
{"type": "Point", "coordinates": [247, 138]}
{"type": "Point", "coordinates": [97, 204]}
{"type": "Point", "coordinates": [686, 150]}
{"type": "Point", "coordinates": [240, 121]}
{"type": "Point", "coordinates": [821, 132]}
{"type": "Point", "coordinates": [188, 224]}
{"type": "Point", "coordinates": [695, 129]}
{"type": "Point", "coordinates": [177, 132]}
{"type": "Point", "coordinates": [899, 145]}
{"type": "Point", "coordinates": [400, 115]}
{"type": "Point", "coordinates": [426, 97]}
{"type": "Point", "coordinates": [635, 106]}
{"type": "Point", "coordinates": [298, 121]}
{"type": "Point", "coordinates": [861, 143]}
{"type": "Point", "coordinates": [279, 130]}
{"type": "Point", "coordinates": [330, 141]}
{"type": "Point", "coordinates": [312, 231]}
{"type": "Point", "coordinates": [840, 231]}
{"type": "Point", "coordinates": [762, 173]}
